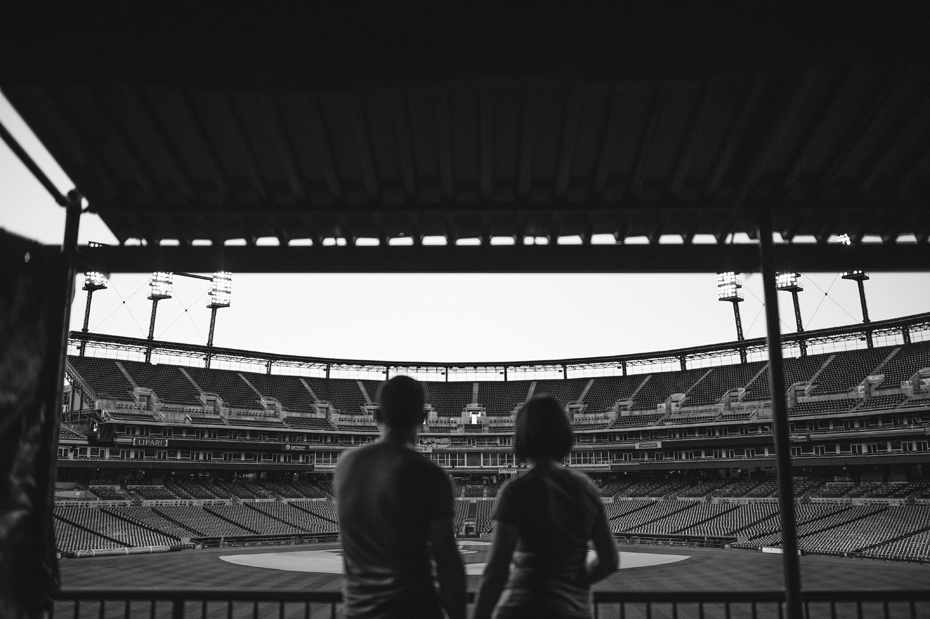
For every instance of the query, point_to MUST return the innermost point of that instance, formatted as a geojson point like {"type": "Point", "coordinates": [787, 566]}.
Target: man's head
{"type": "Point", "coordinates": [542, 430]}
{"type": "Point", "coordinates": [400, 403]}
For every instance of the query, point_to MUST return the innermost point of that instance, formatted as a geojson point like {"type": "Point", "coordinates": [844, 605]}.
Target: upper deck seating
{"type": "Point", "coordinates": [343, 394]}
{"type": "Point", "coordinates": [607, 390]}
{"type": "Point", "coordinates": [288, 390]}
{"type": "Point", "coordinates": [500, 398]}
{"type": "Point", "coordinates": [167, 381]}
{"type": "Point", "coordinates": [565, 391]}
{"type": "Point", "coordinates": [661, 385]}
{"type": "Point", "coordinates": [448, 398]}
{"type": "Point", "coordinates": [227, 385]}
{"type": "Point", "coordinates": [908, 360]}
{"type": "Point", "coordinates": [720, 380]}
{"type": "Point", "coordinates": [850, 368]}
{"type": "Point", "coordinates": [103, 376]}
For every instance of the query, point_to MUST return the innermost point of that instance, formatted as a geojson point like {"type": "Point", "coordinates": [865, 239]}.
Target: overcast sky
{"type": "Point", "coordinates": [443, 318]}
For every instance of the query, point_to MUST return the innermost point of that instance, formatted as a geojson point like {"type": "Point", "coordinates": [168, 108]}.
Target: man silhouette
{"type": "Point", "coordinates": [396, 513]}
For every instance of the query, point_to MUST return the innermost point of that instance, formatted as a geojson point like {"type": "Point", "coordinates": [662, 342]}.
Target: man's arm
{"type": "Point", "coordinates": [605, 548]}
{"type": "Point", "coordinates": [449, 567]}
{"type": "Point", "coordinates": [496, 570]}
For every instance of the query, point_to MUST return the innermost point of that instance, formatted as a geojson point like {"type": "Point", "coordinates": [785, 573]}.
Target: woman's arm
{"type": "Point", "coordinates": [605, 561]}
{"type": "Point", "coordinates": [496, 570]}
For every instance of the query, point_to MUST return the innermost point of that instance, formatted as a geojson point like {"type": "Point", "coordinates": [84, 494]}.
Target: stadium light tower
{"type": "Point", "coordinates": [161, 286]}
{"type": "Point", "coordinates": [220, 296]}
{"type": "Point", "coordinates": [93, 281]}
{"type": "Point", "coordinates": [788, 282]}
{"type": "Point", "coordinates": [859, 277]}
{"type": "Point", "coordinates": [729, 289]}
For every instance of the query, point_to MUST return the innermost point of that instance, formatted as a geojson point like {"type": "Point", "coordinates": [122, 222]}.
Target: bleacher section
{"type": "Point", "coordinates": [288, 390]}
{"type": "Point", "coordinates": [500, 398]}
{"type": "Point", "coordinates": [565, 391]}
{"type": "Point", "coordinates": [344, 395]}
{"type": "Point", "coordinates": [167, 381]}
{"type": "Point", "coordinates": [448, 398]}
{"type": "Point", "coordinates": [661, 385]}
{"type": "Point", "coordinates": [103, 377]}
{"type": "Point", "coordinates": [227, 385]}
{"type": "Point", "coordinates": [607, 391]}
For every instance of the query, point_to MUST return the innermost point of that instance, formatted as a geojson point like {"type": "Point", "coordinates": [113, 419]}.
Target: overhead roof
{"type": "Point", "coordinates": [220, 123]}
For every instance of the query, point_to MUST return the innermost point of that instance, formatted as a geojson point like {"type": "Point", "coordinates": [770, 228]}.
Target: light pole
{"type": "Point", "coordinates": [788, 282]}
{"type": "Point", "coordinates": [729, 289]}
{"type": "Point", "coordinates": [161, 286]}
{"type": "Point", "coordinates": [220, 296]}
{"type": "Point", "coordinates": [859, 277]}
{"type": "Point", "coordinates": [93, 281]}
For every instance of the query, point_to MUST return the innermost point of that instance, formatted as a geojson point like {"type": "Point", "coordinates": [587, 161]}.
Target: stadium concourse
{"type": "Point", "coordinates": [169, 454]}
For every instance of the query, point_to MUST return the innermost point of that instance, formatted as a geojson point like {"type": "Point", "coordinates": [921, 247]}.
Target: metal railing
{"type": "Point", "coordinates": [242, 604]}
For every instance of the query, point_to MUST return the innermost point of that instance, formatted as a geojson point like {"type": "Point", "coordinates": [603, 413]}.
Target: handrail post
{"type": "Point", "coordinates": [791, 563]}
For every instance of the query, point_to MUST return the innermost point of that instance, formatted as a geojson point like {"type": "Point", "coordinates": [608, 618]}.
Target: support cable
{"type": "Point", "coordinates": [826, 294]}
{"type": "Point", "coordinates": [123, 304]}
{"type": "Point", "coordinates": [162, 334]}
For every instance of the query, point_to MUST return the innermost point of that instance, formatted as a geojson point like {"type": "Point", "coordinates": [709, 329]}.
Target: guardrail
{"type": "Point", "coordinates": [181, 604]}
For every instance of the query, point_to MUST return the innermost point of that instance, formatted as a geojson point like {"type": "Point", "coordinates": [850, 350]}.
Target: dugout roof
{"type": "Point", "coordinates": [216, 123]}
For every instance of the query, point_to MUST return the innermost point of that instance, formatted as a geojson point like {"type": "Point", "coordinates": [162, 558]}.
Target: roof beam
{"type": "Point", "coordinates": [552, 258]}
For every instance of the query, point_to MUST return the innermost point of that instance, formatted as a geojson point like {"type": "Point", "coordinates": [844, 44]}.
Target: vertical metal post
{"type": "Point", "coordinates": [564, 372]}
{"type": "Point", "coordinates": [210, 336]}
{"type": "Point", "coordinates": [739, 330]}
{"type": "Point", "coordinates": [865, 313]}
{"type": "Point", "coordinates": [865, 307]}
{"type": "Point", "coordinates": [148, 348]}
{"type": "Point", "coordinates": [791, 563]}
{"type": "Point", "coordinates": [90, 296]}
{"type": "Point", "coordinates": [797, 319]}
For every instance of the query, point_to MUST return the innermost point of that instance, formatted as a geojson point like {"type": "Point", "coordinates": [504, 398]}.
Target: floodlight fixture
{"type": "Point", "coordinates": [856, 276]}
{"type": "Point", "coordinates": [94, 280]}
{"type": "Point", "coordinates": [161, 286]}
{"type": "Point", "coordinates": [220, 290]}
{"type": "Point", "coordinates": [844, 239]}
{"type": "Point", "coordinates": [788, 282]}
{"type": "Point", "coordinates": [729, 287]}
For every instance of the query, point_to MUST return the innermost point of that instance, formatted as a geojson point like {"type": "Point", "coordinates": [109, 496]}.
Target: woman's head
{"type": "Point", "coordinates": [543, 430]}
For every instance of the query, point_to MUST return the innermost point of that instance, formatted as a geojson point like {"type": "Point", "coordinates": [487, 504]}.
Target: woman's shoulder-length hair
{"type": "Point", "coordinates": [542, 430]}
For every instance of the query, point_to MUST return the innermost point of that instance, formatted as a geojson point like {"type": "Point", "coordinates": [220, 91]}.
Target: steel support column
{"type": "Point", "coordinates": [865, 313]}
{"type": "Point", "coordinates": [791, 563]}
{"type": "Point", "coordinates": [210, 336]}
{"type": "Point", "coordinates": [151, 338]}
{"type": "Point", "coordinates": [90, 297]}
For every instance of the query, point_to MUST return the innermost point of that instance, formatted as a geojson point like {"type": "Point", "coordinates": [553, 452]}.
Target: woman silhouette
{"type": "Point", "coordinates": [543, 521]}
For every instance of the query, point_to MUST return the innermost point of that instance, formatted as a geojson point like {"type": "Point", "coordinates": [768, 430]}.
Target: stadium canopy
{"type": "Point", "coordinates": [662, 129]}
